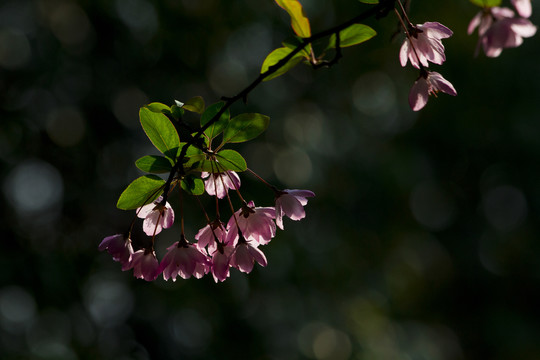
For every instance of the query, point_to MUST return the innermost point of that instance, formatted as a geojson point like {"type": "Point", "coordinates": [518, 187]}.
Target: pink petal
{"type": "Point", "coordinates": [404, 53]}
{"type": "Point", "coordinates": [441, 84]}
{"type": "Point", "coordinates": [419, 94]}
{"type": "Point", "coordinates": [475, 22]}
{"type": "Point", "coordinates": [151, 224]}
{"type": "Point", "coordinates": [523, 7]}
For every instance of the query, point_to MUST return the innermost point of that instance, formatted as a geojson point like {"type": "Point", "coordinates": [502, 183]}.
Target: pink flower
{"type": "Point", "coordinates": [429, 83]}
{"type": "Point", "coordinates": [244, 256]}
{"type": "Point", "coordinates": [291, 203]}
{"type": "Point", "coordinates": [523, 7]}
{"type": "Point", "coordinates": [499, 29]}
{"type": "Point", "coordinates": [256, 223]}
{"type": "Point", "coordinates": [219, 183]}
{"type": "Point", "coordinates": [426, 40]}
{"type": "Point", "coordinates": [144, 264]}
{"type": "Point", "coordinates": [156, 217]}
{"type": "Point", "coordinates": [184, 260]}
{"type": "Point", "coordinates": [220, 263]}
{"type": "Point", "coordinates": [208, 234]}
{"type": "Point", "coordinates": [119, 246]}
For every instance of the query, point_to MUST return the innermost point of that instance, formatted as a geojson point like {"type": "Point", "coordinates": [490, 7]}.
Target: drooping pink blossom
{"type": "Point", "coordinates": [424, 44]}
{"type": "Point", "coordinates": [499, 28]}
{"type": "Point", "coordinates": [523, 7]}
{"type": "Point", "coordinates": [206, 237]}
{"type": "Point", "coordinates": [244, 256]}
{"type": "Point", "coordinates": [255, 223]}
{"type": "Point", "coordinates": [145, 265]}
{"type": "Point", "coordinates": [429, 83]}
{"type": "Point", "coordinates": [156, 217]}
{"type": "Point", "coordinates": [221, 263]}
{"type": "Point", "coordinates": [119, 246]}
{"type": "Point", "coordinates": [219, 183]}
{"type": "Point", "coordinates": [184, 261]}
{"type": "Point", "coordinates": [291, 203]}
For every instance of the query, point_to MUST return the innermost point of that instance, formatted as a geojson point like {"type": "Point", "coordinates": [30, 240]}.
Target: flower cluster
{"type": "Point", "coordinates": [500, 28]}
{"type": "Point", "coordinates": [422, 45]}
{"type": "Point", "coordinates": [219, 246]}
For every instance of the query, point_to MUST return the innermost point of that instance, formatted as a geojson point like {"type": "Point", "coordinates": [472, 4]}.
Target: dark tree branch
{"type": "Point", "coordinates": [378, 11]}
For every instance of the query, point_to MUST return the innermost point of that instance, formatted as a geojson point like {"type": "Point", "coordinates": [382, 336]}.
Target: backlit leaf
{"type": "Point", "coordinates": [160, 131]}
{"type": "Point", "coordinates": [245, 127]}
{"type": "Point", "coordinates": [299, 21]}
{"type": "Point", "coordinates": [352, 35]}
{"type": "Point", "coordinates": [154, 164]}
{"type": "Point", "coordinates": [140, 192]}
{"type": "Point", "coordinates": [275, 56]}
{"type": "Point", "coordinates": [195, 104]}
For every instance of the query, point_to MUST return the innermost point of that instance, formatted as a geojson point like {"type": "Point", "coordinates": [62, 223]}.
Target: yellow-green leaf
{"type": "Point", "coordinates": [274, 57]}
{"type": "Point", "coordinates": [299, 21]}
{"type": "Point", "coordinates": [352, 35]}
{"type": "Point", "coordinates": [195, 104]}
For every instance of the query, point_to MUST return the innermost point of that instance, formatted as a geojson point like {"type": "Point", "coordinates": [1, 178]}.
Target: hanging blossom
{"type": "Point", "coordinates": [220, 266]}
{"type": "Point", "coordinates": [429, 83]}
{"type": "Point", "coordinates": [291, 203]}
{"type": "Point", "coordinates": [255, 223]}
{"type": "Point", "coordinates": [185, 260]}
{"type": "Point", "coordinates": [245, 254]}
{"type": "Point", "coordinates": [499, 28]}
{"type": "Point", "coordinates": [120, 248]}
{"type": "Point", "coordinates": [207, 236]}
{"type": "Point", "coordinates": [219, 183]}
{"type": "Point", "coordinates": [156, 217]}
{"type": "Point", "coordinates": [424, 44]}
{"type": "Point", "coordinates": [145, 265]}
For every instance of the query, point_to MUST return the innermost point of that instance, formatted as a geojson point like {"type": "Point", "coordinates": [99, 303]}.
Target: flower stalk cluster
{"type": "Point", "coordinates": [500, 27]}
{"type": "Point", "coordinates": [423, 45]}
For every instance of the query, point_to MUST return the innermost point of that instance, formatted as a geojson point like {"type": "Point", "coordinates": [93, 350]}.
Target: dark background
{"type": "Point", "coordinates": [422, 242]}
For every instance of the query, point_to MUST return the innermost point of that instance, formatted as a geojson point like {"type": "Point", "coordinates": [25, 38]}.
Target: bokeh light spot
{"type": "Point", "coordinates": [34, 187]}
{"type": "Point", "coordinates": [293, 167]}
{"type": "Point", "coordinates": [431, 207]}
{"type": "Point", "coordinates": [15, 51]}
{"type": "Point", "coordinates": [109, 301]}
{"type": "Point", "coordinates": [505, 207]}
{"type": "Point", "coordinates": [70, 24]}
{"type": "Point", "coordinates": [17, 308]}
{"type": "Point", "coordinates": [374, 94]}
{"type": "Point", "coordinates": [66, 127]}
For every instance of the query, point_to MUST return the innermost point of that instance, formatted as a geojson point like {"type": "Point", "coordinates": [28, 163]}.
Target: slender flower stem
{"type": "Point", "coordinates": [275, 189]}
{"type": "Point", "coordinates": [409, 37]}
{"type": "Point", "coordinates": [404, 13]}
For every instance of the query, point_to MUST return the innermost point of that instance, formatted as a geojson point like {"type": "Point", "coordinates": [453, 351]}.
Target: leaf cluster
{"type": "Point", "coordinates": [185, 161]}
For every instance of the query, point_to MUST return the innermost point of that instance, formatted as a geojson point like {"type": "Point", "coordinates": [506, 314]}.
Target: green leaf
{"type": "Point", "coordinates": [195, 104]}
{"type": "Point", "coordinates": [352, 35]}
{"type": "Point", "coordinates": [487, 3]}
{"type": "Point", "coordinates": [245, 127]}
{"type": "Point", "coordinates": [158, 108]}
{"type": "Point", "coordinates": [231, 160]}
{"type": "Point", "coordinates": [369, 1]}
{"type": "Point", "coordinates": [160, 131]}
{"type": "Point", "coordinates": [192, 185]}
{"type": "Point", "coordinates": [154, 164]}
{"type": "Point", "coordinates": [225, 160]}
{"type": "Point", "coordinates": [191, 150]}
{"type": "Point", "coordinates": [140, 192]}
{"type": "Point", "coordinates": [275, 56]}
{"type": "Point", "coordinates": [217, 127]}
{"type": "Point", "coordinates": [299, 21]}
{"type": "Point", "coordinates": [177, 112]}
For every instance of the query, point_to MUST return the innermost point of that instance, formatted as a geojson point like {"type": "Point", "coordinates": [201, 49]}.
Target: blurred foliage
{"type": "Point", "coordinates": [422, 242]}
